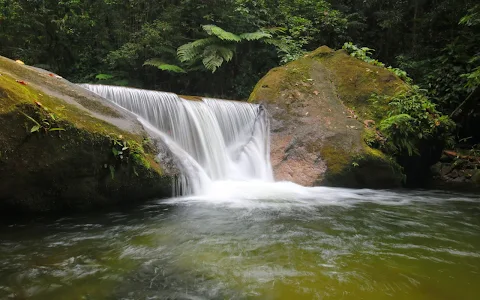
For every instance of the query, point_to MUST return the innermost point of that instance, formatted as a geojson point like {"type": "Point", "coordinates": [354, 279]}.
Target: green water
{"type": "Point", "coordinates": [337, 244]}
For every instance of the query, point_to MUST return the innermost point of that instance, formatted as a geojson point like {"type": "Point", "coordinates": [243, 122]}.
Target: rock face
{"type": "Point", "coordinates": [320, 116]}
{"type": "Point", "coordinates": [456, 172]}
{"type": "Point", "coordinates": [64, 148]}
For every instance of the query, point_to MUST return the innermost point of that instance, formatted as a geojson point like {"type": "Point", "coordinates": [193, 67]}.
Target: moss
{"type": "Point", "coordinates": [68, 170]}
{"type": "Point", "coordinates": [50, 82]}
{"type": "Point", "coordinates": [322, 99]}
{"type": "Point", "coordinates": [17, 97]}
{"type": "Point", "coordinates": [356, 81]}
{"type": "Point", "coordinates": [322, 51]}
{"type": "Point", "coordinates": [337, 159]}
{"type": "Point", "coordinates": [371, 169]}
{"type": "Point", "coordinates": [294, 76]}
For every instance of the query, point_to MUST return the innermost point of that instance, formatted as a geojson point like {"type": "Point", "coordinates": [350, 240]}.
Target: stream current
{"type": "Point", "coordinates": [253, 241]}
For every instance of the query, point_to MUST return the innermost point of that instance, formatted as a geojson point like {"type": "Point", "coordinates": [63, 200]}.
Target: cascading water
{"type": "Point", "coordinates": [212, 139]}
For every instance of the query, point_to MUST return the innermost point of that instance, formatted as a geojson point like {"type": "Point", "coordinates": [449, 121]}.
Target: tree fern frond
{"type": "Point", "coordinates": [192, 51]}
{"type": "Point", "coordinates": [255, 36]}
{"type": "Point", "coordinates": [155, 62]}
{"type": "Point", "coordinates": [225, 52]}
{"type": "Point", "coordinates": [279, 44]}
{"type": "Point", "coordinates": [220, 33]}
{"type": "Point", "coordinates": [212, 62]}
{"type": "Point", "coordinates": [212, 58]}
{"type": "Point", "coordinates": [160, 50]}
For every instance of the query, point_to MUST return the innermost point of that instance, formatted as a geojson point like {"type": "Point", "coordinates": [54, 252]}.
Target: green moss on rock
{"type": "Point", "coordinates": [68, 163]}
{"type": "Point", "coordinates": [322, 100]}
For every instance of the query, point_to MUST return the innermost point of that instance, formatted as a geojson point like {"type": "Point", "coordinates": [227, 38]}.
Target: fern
{"type": "Point", "coordinates": [212, 61]}
{"type": "Point", "coordinates": [274, 30]}
{"type": "Point", "coordinates": [215, 55]}
{"type": "Point", "coordinates": [220, 33]}
{"type": "Point", "coordinates": [400, 133]}
{"type": "Point", "coordinates": [364, 54]}
{"type": "Point", "coordinates": [255, 36]}
{"type": "Point", "coordinates": [225, 51]}
{"type": "Point", "coordinates": [155, 62]}
{"type": "Point", "coordinates": [219, 48]}
{"type": "Point", "coordinates": [191, 51]}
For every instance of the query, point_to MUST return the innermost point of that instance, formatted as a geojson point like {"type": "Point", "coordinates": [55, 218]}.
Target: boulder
{"type": "Point", "coordinates": [64, 148]}
{"type": "Point", "coordinates": [321, 120]}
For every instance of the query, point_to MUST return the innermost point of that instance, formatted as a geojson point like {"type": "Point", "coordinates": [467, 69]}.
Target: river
{"type": "Point", "coordinates": [252, 241]}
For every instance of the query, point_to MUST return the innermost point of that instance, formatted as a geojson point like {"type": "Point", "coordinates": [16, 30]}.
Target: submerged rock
{"type": "Point", "coordinates": [321, 119]}
{"type": "Point", "coordinates": [64, 148]}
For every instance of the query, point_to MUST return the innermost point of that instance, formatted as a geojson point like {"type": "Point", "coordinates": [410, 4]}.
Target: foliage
{"type": "Point", "coordinates": [219, 48]}
{"type": "Point", "coordinates": [124, 151]}
{"type": "Point", "coordinates": [83, 39]}
{"type": "Point", "coordinates": [413, 121]}
{"type": "Point", "coordinates": [155, 62]}
{"type": "Point", "coordinates": [364, 53]}
{"type": "Point", "coordinates": [104, 76]}
{"type": "Point", "coordinates": [166, 45]}
{"type": "Point", "coordinates": [49, 122]}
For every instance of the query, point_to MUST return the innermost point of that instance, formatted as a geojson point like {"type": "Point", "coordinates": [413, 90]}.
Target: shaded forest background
{"type": "Point", "coordinates": [171, 45]}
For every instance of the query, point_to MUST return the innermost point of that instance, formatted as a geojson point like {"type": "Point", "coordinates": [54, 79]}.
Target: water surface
{"type": "Point", "coordinates": [254, 242]}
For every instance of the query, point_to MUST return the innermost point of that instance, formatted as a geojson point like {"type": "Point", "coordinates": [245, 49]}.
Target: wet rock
{"type": "Point", "coordinates": [64, 148]}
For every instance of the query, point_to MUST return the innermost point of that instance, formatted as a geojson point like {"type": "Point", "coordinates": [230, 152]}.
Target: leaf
{"type": "Point", "coordinates": [35, 128]}
{"type": "Point", "coordinates": [220, 33]}
{"type": "Point", "coordinates": [155, 62]}
{"type": "Point", "coordinates": [30, 118]}
{"type": "Point", "coordinates": [274, 30]}
{"type": "Point", "coordinates": [255, 36]}
{"type": "Point", "coordinates": [191, 51]}
{"type": "Point", "coordinates": [57, 129]}
{"type": "Point", "coordinates": [104, 76]}
{"type": "Point", "coordinates": [212, 60]}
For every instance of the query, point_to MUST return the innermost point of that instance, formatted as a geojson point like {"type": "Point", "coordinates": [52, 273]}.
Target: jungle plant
{"type": "Point", "coordinates": [126, 151]}
{"type": "Point", "coordinates": [364, 54]}
{"type": "Point", "coordinates": [48, 121]}
{"type": "Point", "coordinates": [213, 51]}
{"type": "Point", "coordinates": [413, 119]}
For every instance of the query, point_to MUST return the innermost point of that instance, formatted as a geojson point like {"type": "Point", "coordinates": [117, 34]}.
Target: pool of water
{"type": "Point", "coordinates": [320, 243]}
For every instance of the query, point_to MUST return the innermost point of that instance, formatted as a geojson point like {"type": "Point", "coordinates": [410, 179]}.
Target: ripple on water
{"type": "Point", "coordinates": [320, 243]}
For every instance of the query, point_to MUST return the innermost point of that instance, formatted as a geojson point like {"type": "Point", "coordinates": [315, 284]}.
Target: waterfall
{"type": "Point", "coordinates": [212, 139]}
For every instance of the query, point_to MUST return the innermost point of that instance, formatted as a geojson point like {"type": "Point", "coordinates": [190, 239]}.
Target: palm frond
{"type": "Point", "coordinates": [220, 33]}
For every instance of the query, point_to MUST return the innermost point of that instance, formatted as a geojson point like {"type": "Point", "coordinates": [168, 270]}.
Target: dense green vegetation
{"type": "Point", "coordinates": [222, 47]}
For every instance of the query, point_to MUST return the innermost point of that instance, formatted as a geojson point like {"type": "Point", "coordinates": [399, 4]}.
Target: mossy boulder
{"type": "Point", "coordinates": [321, 119]}
{"type": "Point", "coordinates": [64, 148]}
